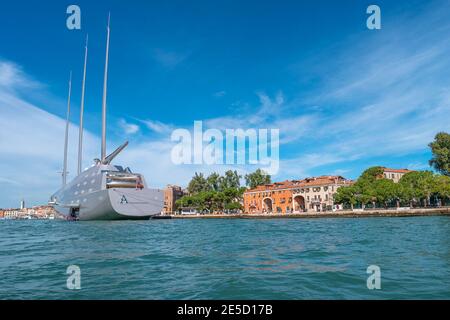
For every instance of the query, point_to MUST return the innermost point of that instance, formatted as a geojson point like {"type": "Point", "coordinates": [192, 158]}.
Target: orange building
{"type": "Point", "coordinates": [171, 194]}
{"type": "Point", "coordinates": [293, 196]}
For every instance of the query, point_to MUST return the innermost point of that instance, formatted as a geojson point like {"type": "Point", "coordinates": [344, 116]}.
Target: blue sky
{"type": "Point", "coordinates": [344, 97]}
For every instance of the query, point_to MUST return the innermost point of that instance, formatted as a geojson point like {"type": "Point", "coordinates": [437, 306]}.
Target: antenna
{"type": "Point", "coordinates": [80, 137]}
{"type": "Point", "coordinates": [66, 136]}
{"type": "Point", "coordinates": [105, 83]}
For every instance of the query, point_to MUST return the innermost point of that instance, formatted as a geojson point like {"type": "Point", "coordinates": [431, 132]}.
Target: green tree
{"type": "Point", "coordinates": [371, 174]}
{"type": "Point", "coordinates": [419, 185]}
{"type": "Point", "coordinates": [442, 188]}
{"type": "Point", "coordinates": [257, 178]}
{"type": "Point", "coordinates": [187, 202]}
{"type": "Point", "coordinates": [219, 201]}
{"type": "Point", "coordinates": [372, 187]}
{"type": "Point", "coordinates": [440, 148]}
{"type": "Point", "coordinates": [233, 206]}
{"type": "Point", "coordinates": [214, 193]}
{"type": "Point", "coordinates": [207, 201]}
{"type": "Point", "coordinates": [404, 194]}
{"type": "Point", "coordinates": [197, 184]}
{"type": "Point", "coordinates": [231, 179]}
{"type": "Point", "coordinates": [346, 195]}
{"type": "Point", "coordinates": [385, 191]}
{"type": "Point", "coordinates": [212, 201]}
{"type": "Point", "coordinates": [213, 181]}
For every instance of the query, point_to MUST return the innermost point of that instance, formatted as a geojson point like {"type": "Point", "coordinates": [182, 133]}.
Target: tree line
{"type": "Point", "coordinates": [417, 188]}
{"type": "Point", "coordinates": [220, 193]}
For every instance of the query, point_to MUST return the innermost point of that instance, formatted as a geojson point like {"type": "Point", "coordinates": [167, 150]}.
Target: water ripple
{"type": "Point", "coordinates": [227, 259]}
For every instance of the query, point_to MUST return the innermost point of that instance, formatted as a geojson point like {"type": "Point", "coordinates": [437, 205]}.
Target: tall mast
{"type": "Point", "coordinates": [66, 136]}
{"type": "Point", "coordinates": [105, 82]}
{"type": "Point", "coordinates": [80, 137]}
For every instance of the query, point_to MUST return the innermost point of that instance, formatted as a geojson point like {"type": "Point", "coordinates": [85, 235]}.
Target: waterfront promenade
{"type": "Point", "coordinates": [444, 211]}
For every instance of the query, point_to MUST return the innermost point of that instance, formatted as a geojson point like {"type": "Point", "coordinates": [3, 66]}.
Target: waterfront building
{"type": "Point", "coordinates": [37, 212]}
{"type": "Point", "coordinates": [43, 212]}
{"type": "Point", "coordinates": [295, 196]}
{"type": "Point", "coordinates": [171, 194]}
{"type": "Point", "coordinates": [12, 214]}
{"type": "Point", "coordinates": [395, 174]}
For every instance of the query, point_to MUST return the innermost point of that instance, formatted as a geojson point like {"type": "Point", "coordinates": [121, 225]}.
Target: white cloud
{"type": "Point", "coordinates": [128, 128]}
{"type": "Point", "coordinates": [12, 77]}
{"type": "Point", "coordinates": [157, 126]}
{"type": "Point", "coordinates": [31, 143]}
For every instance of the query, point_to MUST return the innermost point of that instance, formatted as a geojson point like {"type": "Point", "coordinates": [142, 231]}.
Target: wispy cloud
{"type": "Point", "coordinates": [389, 101]}
{"type": "Point", "coordinates": [418, 166]}
{"type": "Point", "coordinates": [31, 141]}
{"type": "Point", "coordinates": [9, 181]}
{"type": "Point", "coordinates": [169, 59]}
{"type": "Point", "coordinates": [271, 113]}
{"type": "Point", "coordinates": [12, 77]}
{"type": "Point", "coordinates": [158, 126]}
{"type": "Point", "coordinates": [128, 128]}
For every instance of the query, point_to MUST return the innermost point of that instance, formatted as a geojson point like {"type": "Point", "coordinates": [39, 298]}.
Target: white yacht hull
{"type": "Point", "coordinates": [109, 205]}
{"type": "Point", "coordinates": [86, 198]}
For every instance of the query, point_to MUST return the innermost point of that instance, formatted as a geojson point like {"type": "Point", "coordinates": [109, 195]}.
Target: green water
{"type": "Point", "coordinates": [227, 259]}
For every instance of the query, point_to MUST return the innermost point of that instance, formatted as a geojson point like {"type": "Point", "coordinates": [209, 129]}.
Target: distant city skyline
{"type": "Point", "coordinates": [343, 97]}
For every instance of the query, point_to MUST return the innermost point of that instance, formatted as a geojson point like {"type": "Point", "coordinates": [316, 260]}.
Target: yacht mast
{"type": "Point", "coordinates": [105, 82]}
{"type": "Point", "coordinates": [80, 137]}
{"type": "Point", "coordinates": [66, 136]}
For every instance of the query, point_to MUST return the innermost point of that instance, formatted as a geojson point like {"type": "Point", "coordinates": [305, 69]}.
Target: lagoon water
{"type": "Point", "coordinates": [227, 258]}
